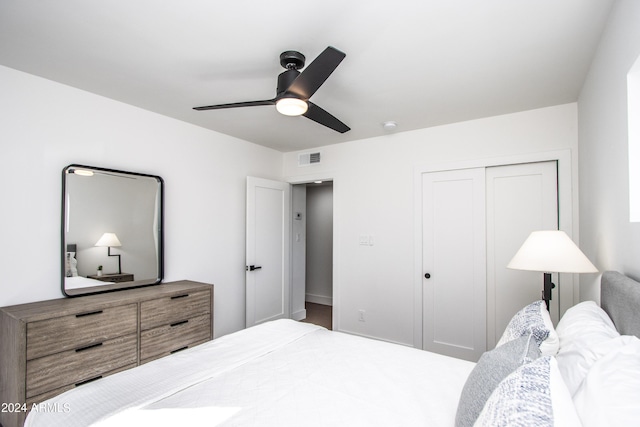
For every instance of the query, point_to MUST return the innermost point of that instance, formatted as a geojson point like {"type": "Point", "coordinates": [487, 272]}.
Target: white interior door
{"type": "Point", "coordinates": [520, 199]}
{"type": "Point", "coordinates": [267, 250]}
{"type": "Point", "coordinates": [454, 263]}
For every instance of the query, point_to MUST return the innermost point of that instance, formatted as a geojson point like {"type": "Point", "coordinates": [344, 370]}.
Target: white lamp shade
{"type": "Point", "coordinates": [291, 106]}
{"type": "Point", "coordinates": [108, 239]}
{"type": "Point", "coordinates": [551, 252]}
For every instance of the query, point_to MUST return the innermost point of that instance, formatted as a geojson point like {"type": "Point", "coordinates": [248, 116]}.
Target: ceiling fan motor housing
{"type": "Point", "coordinates": [285, 79]}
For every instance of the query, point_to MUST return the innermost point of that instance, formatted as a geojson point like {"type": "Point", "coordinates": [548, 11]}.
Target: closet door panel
{"type": "Point", "coordinates": [520, 199]}
{"type": "Point", "coordinates": [454, 260]}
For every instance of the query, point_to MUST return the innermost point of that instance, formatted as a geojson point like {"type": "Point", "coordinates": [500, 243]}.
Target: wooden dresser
{"type": "Point", "coordinates": [48, 347]}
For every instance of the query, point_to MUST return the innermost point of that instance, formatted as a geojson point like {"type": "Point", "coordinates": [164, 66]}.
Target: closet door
{"type": "Point", "coordinates": [520, 199]}
{"type": "Point", "coordinates": [454, 263]}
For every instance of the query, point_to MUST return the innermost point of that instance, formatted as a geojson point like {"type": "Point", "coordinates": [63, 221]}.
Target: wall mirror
{"type": "Point", "coordinates": [112, 236]}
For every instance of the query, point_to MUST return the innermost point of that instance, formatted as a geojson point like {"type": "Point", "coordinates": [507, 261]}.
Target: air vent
{"type": "Point", "coordinates": [307, 159]}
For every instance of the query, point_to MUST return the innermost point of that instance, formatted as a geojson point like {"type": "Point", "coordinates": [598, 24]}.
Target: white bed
{"type": "Point", "coordinates": [76, 282]}
{"type": "Point", "coordinates": [72, 280]}
{"type": "Point", "coordinates": [282, 373]}
{"type": "Point", "coordinates": [287, 373]}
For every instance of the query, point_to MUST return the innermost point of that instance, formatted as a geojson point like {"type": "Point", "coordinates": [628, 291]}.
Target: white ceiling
{"type": "Point", "coordinates": [420, 63]}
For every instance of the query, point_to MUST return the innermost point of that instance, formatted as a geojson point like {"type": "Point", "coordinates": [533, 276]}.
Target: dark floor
{"type": "Point", "coordinates": [318, 314]}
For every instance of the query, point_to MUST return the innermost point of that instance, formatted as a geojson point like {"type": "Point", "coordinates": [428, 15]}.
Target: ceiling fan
{"type": "Point", "coordinates": [295, 88]}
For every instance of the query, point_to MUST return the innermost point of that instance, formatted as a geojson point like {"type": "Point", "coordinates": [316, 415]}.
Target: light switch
{"type": "Point", "coordinates": [365, 240]}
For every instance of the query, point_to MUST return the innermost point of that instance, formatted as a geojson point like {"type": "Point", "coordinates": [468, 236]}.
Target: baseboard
{"type": "Point", "coordinates": [299, 315]}
{"type": "Point", "coordinates": [319, 299]}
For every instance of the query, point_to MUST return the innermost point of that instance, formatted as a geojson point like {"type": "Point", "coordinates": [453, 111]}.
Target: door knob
{"type": "Point", "coordinates": [254, 267]}
{"type": "Point", "coordinates": [427, 276]}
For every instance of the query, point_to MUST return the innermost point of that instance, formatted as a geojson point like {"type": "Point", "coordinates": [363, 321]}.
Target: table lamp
{"type": "Point", "coordinates": [109, 240]}
{"type": "Point", "coordinates": [550, 251]}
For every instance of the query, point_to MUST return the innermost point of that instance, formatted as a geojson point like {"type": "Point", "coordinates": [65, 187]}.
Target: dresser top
{"type": "Point", "coordinates": [41, 310]}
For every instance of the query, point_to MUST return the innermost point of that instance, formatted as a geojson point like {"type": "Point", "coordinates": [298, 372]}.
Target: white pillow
{"type": "Point", "coordinates": [533, 319]}
{"type": "Point", "coordinates": [576, 360]}
{"type": "Point", "coordinates": [583, 319]}
{"type": "Point", "coordinates": [586, 333]}
{"type": "Point", "coordinates": [533, 395]}
{"type": "Point", "coordinates": [71, 269]}
{"type": "Point", "coordinates": [550, 346]}
{"type": "Point", "coordinates": [610, 393]}
{"type": "Point", "coordinates": [564, 411]}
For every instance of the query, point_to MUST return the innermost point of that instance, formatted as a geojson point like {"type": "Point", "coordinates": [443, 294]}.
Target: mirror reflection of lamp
{"type": "Point", "coordinates": [109, 240]}
{"type": "Point", "coordinates": [550, 251]}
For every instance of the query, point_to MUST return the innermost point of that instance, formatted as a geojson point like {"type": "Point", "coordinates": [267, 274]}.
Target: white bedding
{"type": "Point", "coordinates": [76, 282]}
{"type": "Point", "coordinates": [282, 373]}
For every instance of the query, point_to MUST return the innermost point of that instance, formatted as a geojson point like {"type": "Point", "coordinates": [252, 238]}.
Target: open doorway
{"type": "Point", "coordinates": [312, 253]}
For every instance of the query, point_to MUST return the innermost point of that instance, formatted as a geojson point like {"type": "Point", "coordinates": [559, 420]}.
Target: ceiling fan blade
{"type": "Point", "coordinates": [237, 104]}
{"type": "Point", "coordinates": [321, 116]}
{"type": "Point", "coordinates": [316, 73]}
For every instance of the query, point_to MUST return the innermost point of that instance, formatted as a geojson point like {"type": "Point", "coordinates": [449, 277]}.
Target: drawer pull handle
{"type": "Point", "coordinates": [78, 350]}
{"type": "Point", "coordinates": [182, 322]}
{"type": "Point", "coordinates": [88, 381]}
{"type": "Point", "coordinates": [89, 313]}
{"type": "Point", "coordinates": [180, 349]}
{"type": "Point", "coordinates": [179, 296]}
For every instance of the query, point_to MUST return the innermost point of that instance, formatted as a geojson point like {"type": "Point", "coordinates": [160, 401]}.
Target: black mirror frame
{"type": "Point", "coordinates": [63, 243]}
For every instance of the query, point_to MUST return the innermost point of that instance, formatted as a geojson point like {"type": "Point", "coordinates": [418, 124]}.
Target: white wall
{"type": "Point", "coordinates": [373, 195]}
{"type": "Point", "coordinates": [46, 126]}
{"type": "Point", "coordinates": [606, 235]}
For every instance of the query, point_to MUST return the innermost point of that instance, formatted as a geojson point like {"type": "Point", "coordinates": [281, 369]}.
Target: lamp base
{"type": "Point", "coordinates": [118, 255]}
{"type": "Point", "coordinates": [546, 289]}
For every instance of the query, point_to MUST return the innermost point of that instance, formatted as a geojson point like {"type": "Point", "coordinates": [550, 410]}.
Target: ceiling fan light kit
{"type": "Point", "coordinates": [295, 88]}
{"type": "Point", "coordinates": [291, 106]}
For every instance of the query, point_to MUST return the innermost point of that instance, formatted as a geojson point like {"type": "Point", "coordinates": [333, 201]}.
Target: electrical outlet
{"type": "Point", "coordinates": [361, 315]}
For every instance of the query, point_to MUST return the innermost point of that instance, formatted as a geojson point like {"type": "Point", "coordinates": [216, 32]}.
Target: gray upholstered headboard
{"type": "Point", "coordinates": [620, 298]}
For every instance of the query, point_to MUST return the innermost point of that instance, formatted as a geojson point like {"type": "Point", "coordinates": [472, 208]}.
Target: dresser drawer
{"type": "Point", "coordinates": [84, 328]}
{"type": "Point", "coordinates": [52, 393]}
{"type": "Point", "coordinates": [171, 309]}
{"type": "Point", "coordinates": [83, 364]}
{"type": "Point", "coordinates": [168, 339]}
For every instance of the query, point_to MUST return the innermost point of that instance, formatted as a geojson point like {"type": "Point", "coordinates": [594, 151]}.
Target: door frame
{"type": "Point", "coordinates": [568, 292]}
{"type": "Point", "coordinates": [326, 176]}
